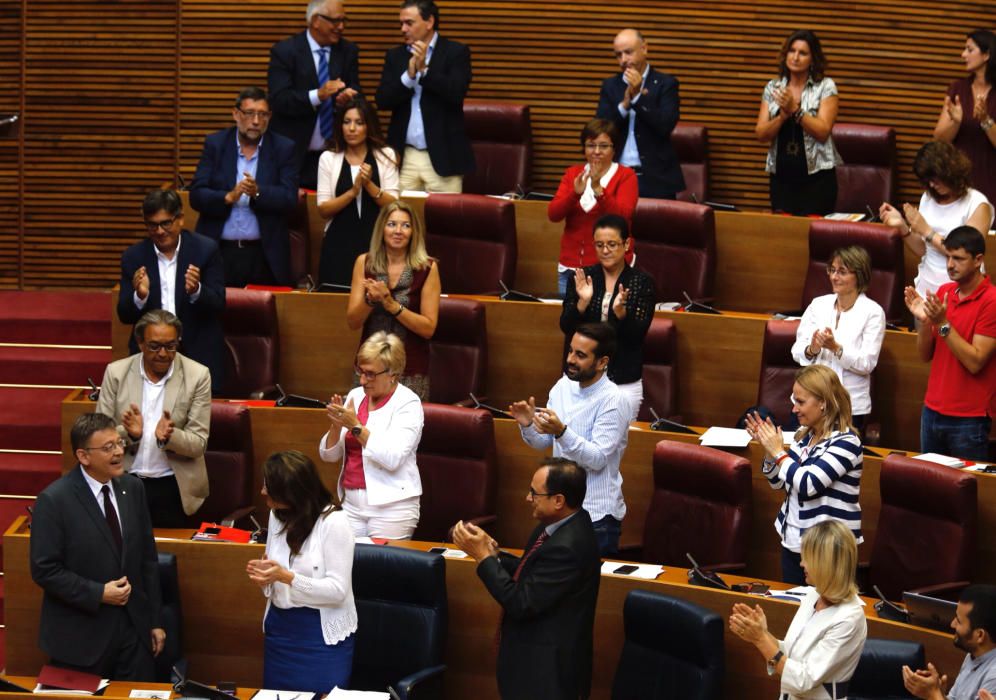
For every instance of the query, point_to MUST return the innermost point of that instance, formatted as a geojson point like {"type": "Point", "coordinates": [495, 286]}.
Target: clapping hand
{"type": "Point", "coordinates": [191, 279]}
{"type": "Point", "coordinates": [140, 282]}
{"type": "Point", "coordinates": [164, 428]}
{"type": "Point", "coordinates": [546, 421]}
{"type": "Point", "coordinates": [474, 541]}
{"type": "Point", "coordinates": [619, 303]}
{"type": "Point", "coordinates": [263, 572]}
{"type": "Point", "coordinates": [765, 432]}
{"type": "Point", "coordinates": [583, 286]}
{"type": "Point", "coordinates": [923, 683]}
{"type": "Point", "coordinates": [750, 624]}
{"type": "Point", "coordinates": [953, 108]}
{"type": "Point", "coordinates": [131, 419]}
{"type": "Point", "coordinates": [523, 411]}
{"type": "Point", "coordinates": [362, 178]}
{"type": "Point", "coordinates": [890, 216]}
{"type": "Point", "coordinates": [914, 218]}
{"type": "Point", "coordinates": [580, 182]}
{"type": "Point", "coordinates": [376, 291]}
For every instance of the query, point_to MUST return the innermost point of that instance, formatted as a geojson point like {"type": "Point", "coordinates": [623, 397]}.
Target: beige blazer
{"type": "Point", "coordinates": [188, 399]}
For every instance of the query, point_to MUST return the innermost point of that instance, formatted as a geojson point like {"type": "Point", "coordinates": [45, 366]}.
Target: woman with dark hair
{"type": "Point", "coordinates": [587, 192]}
{"type": "Point", "coordinates": [395, 289]}
{"type": "Point", "coordinates": [619, 294]}
{"type": "Point", "coordinates": [966, 120]}
{"type": "Point", "coordinates": [844, 330]}
{"type": "Point", "coordinates": [357, 175]}
{"type": "Point", "coordinates": [307, 577]}
{"type": "Point", "coordinates": [821, 470]}
{"type": "Point", "coordinates": [948, 202]}
{"type": "Point", "coordinates": [798, 110]}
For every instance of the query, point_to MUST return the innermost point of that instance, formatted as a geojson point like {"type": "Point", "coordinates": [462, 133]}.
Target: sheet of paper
{"type": "Point", "coordinates": [264, 694]}
{"type": "Point", "coordinates": [40, 690]}
{"type": "Point", "coordinates": [724, 437]}
{"type": "Point", "coordinates": [340, 694]}
{"type": "Point", "coordinates": [150, 694]}
{"type": "Point", "coordinates": [644, 571]}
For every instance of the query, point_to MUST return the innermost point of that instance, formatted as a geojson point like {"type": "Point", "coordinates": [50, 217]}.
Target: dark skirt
{"type": "Point", "coordinates": [809, 195]}
{"type": "Point", "coordinates": [296, 657]}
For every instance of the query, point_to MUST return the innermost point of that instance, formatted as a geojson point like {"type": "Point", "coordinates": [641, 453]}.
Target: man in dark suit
{"type": "Point", "coordinates": [548, 595]}
{"type": "Point", "coordinates": [310, 74]}
{"type": "Point", "coordinates": [424, 83]}
{"type": "Point", "coordinates": [644, 105]}
{"type": "Point", "coordinates": [181, 272]}
{"type": "Point", "coordinates": [93, 555]}
{"type": "Point", "coordinates": [244, 188]}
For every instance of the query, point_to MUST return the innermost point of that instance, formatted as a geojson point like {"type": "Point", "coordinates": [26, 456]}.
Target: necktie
{"type": "Point", "coordinates": [324, 107]}
{"type": "Point", "coordinates": [111, 515]}
{"type": "Point", "coordinates": [515, 577]}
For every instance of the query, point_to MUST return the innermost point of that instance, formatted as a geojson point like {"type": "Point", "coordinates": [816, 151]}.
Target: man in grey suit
{"type": "Point", "coordinates": [93, 555]}
{"type": "Point", "coordinates": [161, 401]}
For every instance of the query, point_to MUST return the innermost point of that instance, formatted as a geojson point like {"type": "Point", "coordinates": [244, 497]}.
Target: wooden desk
{"type": "Point", "coordinates": [223, 611]}
{"type": "Point", "coordinates": [116, 689]}
{"type": "Point", "coordinates": [719, 359]}
{"type": "Point", "coordinates": [297, 428]}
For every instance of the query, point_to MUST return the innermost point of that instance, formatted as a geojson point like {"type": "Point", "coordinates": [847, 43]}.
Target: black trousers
{"type": "Point", "coordinates": [807, 195]}
{"type": "Point", "coordinates": [165, 506]}
{"type": "Point", "coordinates": [127, 658]}
{"type": "Point", "coordinates": [245, 264]}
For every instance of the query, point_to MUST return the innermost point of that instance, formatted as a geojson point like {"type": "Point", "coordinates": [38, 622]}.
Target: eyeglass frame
{"type": "Point", "coordinates": [334, 21]}
{"type": "Point", "coordinates": [535, 494]}
{"type": "Point", "coordinates": [252, 114]}
{"type": "Point", "coordinates": [165, 224]}
{"type": "Point", "coordinates": [154, 347]}
{"type": "Point", "coordinates": [369, 376]}
{"type": "Point", "coordinates": [108, 449]}
{"type": "Point", "coordinates": [831, 271]}
{"type": "Point", "coordinates": [600, 147]}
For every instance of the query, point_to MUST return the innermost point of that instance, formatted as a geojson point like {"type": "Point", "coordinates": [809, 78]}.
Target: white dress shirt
{"type": "Point", "coordinates": [150, 461]}
{"type": "Point", "coordinates": [323, 574]}
{"type": "Point", "coordinates": [860, 332]}
{"type": "Point", "coordinates": [597, 420]}
{"type": "Point", "coordinates": [167, 281]}
{"type": "Point", "coordinates": [97, 489]}
{"type": "Point", "coordinates": [822, 649]}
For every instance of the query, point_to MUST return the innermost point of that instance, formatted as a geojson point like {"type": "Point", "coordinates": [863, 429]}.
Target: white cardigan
{"type": "Point", "coordinates": [822, 649]}
{"type": "Point", "coordinates": [860, 333]}
{"type": "Point", "coordinates": [323, 574]}
{"type": "Point", "coordinates": [330, 167]}
{"type": "Point", "coordinates": [389, 466]}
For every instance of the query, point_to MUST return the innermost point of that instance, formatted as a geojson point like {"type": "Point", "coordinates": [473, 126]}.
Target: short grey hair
{"type": "Point", "coordinates": [313, 7]}
{"type": "Point", "coordinates": [157, 317]}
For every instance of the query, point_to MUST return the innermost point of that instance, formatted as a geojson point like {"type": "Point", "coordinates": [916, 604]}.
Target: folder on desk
{"type": "Point", "coordinates": [212, 532]}
{"type": "Point", "coordinates": [54, 679]}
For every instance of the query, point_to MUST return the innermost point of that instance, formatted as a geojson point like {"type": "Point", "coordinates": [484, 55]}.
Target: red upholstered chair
{"type": "Point", "coordinates": [778, 369]}
{"type": "Point", "coordinates": [927, 529]}
{"type": "Point", "coordinates": [691, 144]}
{"type": "Point", "coordinates": [676, 243]}
{"type": "Point", "coordinates": [458, 352]}
{"type": "Point", "coordinates": [458, 465]}
{"type": "Point", "coordinates": [229, 464]}
{"type": "Point", "coordinates": [660, 376]}
{"type": "Point", "coordinates": [502, 138]}
{"type": "Point", "coordinates": [701, 505]}
{"type": "Point", "coordinates": [252, 343]}
{"type": "Point", "coordinates": [884, 245]}
{"type": "Point", "coordinates": [867, 177]}
{"type": "Point", "coordinates": [473, 238]}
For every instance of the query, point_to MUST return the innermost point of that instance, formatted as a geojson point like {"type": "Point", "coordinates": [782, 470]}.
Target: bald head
{"type": "Point", "coordinates": [630, 50]}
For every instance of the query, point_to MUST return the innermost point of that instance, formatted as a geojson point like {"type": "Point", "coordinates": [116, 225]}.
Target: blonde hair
{"type": "Point", "coordinates": [385, 347]}
{"type": "Point", "coordinates": [830, 554]}
{"type": "Point", "coordinates": [377, 257]}
{"type": "Point", "coordinates": [823, 383]}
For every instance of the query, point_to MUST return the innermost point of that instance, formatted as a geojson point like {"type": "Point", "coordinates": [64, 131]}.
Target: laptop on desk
{"type": "Point", "coordinates": [926, 611]}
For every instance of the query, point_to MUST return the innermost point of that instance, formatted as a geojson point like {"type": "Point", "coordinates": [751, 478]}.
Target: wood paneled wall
{"type": "Point", "coordinates": [117, 95]}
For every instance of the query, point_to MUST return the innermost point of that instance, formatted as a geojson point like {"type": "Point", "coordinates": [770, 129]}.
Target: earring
{"type": "Point", "coordinates": [823, 407]}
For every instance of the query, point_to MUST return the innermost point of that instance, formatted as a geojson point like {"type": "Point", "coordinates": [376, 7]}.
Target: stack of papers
{"type": "Point", "coordinates": [724, 437]}
{"type": "Point", "coordinates": [953, 462]}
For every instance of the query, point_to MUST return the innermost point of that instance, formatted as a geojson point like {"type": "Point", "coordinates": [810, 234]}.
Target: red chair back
{"type": "Point", "coordinates": [660, 376]}
{"type": "Point", "coordinates": [676, 244]}
{"type": "Point", "coordinates": [458, 351]}
{"type": "Point", "coordinates": [229, 461]}
{"type": "Point", "coordinates": [252, 342]}
{"type": "Point", "coordinates": [691, 144]}
{"type": "Point", "coordinates": [867, 177]}
{"type": "Point", "coordinates": [778, 370]}
{"type": "Point", "coordinates": [502, 138]}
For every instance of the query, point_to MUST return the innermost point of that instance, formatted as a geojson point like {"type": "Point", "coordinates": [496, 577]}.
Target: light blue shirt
{"type": "Point", "coordinates": [631, 154]}
{"type": "Point", "coordinates": [415, 136]}
{"type": "Point", "coordinates": [242, 224]}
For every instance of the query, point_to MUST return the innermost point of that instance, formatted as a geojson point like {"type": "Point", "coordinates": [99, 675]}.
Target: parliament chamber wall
{"type": "Point", "coordinates": [115, 97]}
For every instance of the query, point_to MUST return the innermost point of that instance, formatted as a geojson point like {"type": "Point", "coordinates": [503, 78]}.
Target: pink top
{"type": "Point", "coordinates": [352, 477]}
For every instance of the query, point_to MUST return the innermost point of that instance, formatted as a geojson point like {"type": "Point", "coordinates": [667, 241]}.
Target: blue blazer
{"type": "Point", "coordinates": [657, 112]}
{"type": "Point", "coordinates": [73, 555]}
{"type": "Point", "coordinates": [203, 333]}
{"type": "Point", "coordinates": [292, 75]}
{"type": "Point", "coordinates": [444, 88]}
{"type": "Point", "coordinates": [276, 176]}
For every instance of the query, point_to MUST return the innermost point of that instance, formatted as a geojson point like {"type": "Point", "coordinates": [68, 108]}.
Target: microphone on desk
{"type": "Point", "coordinates": [94, 392]}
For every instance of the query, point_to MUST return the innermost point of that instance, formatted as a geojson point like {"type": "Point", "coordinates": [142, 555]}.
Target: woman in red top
{"type": "Point", "coordinates": [587, 192]}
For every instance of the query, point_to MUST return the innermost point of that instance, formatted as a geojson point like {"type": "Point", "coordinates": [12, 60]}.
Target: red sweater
{"type": "Point", "coordinates": [619, 197]}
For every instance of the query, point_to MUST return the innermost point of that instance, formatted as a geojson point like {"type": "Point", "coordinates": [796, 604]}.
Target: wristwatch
{"type": "Point", "coordinates": [356, 430]}
{"type": "Point", "coordinates": [944, 330]}
{"type": "Point", "coordinates": [773, 662]}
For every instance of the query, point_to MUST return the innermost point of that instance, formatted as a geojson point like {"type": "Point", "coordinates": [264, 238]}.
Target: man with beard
{"type": "Point", "coordinates": [974, 625]}
{"type": "Point", "coordinates": [957, 334]}
{"type": "Point", "coordinates": [244, 188]}
{"type": "Point", "coordinates": [586, 420]}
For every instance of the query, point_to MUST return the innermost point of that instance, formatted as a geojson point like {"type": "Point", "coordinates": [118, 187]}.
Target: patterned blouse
{"type": "Point", "coordinates": [819, 156]}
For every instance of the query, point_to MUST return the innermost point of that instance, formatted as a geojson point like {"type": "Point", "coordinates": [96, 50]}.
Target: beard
{"type": "Point", "coordinates": [576, 374]}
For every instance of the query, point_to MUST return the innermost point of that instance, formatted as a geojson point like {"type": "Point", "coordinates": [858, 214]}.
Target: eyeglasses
{"type": "Point", "coordinates": [534, 494]}
{"type": "Point", "coordinates": [369, 376]}
{"type": "Point", "coordinates": [165, 224]}
{"type": "Point", "coordinates": [108, 449]}
{"type": "Point", "coordinates": [607, 245]}
{"type": "Point", "coordinates": [600, 147]}
{"type": "Point", "coordinates": [155, 347]}
{"type": "Point", "coordinates": [254, 115]}
{"type": "Point", "coordinates": [334, 20]}
{"type": "Point", "coordinates": [842, 271]}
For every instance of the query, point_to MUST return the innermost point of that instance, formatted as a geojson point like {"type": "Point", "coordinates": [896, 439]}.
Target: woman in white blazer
{"type": "Point", "coordinates": [823, 644]}
{"type": "Point", "coordinates": [357, 175]}
{"type": "Point", "coordinates": [374, 434]}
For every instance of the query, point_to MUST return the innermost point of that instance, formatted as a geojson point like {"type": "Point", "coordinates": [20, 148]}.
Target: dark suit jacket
{"type": "Point", "coordinates": [203, 334]}
{"type": "Point", "coordinates": [444, 87]}
{"type": "Point", "coordinates": [276, 177]}
{"type": "Point", "coordinates": [656, 114]}
{"type": "Point", "coordinates": [291, 75]}
{"type": "Point", "coordinates": [546, 631]}
{"type": "Point", "coordinates": [73, 556]}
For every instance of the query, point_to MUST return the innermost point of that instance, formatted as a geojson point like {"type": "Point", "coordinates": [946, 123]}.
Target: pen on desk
{"type": "Point", "coordinates": [783, 592]}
